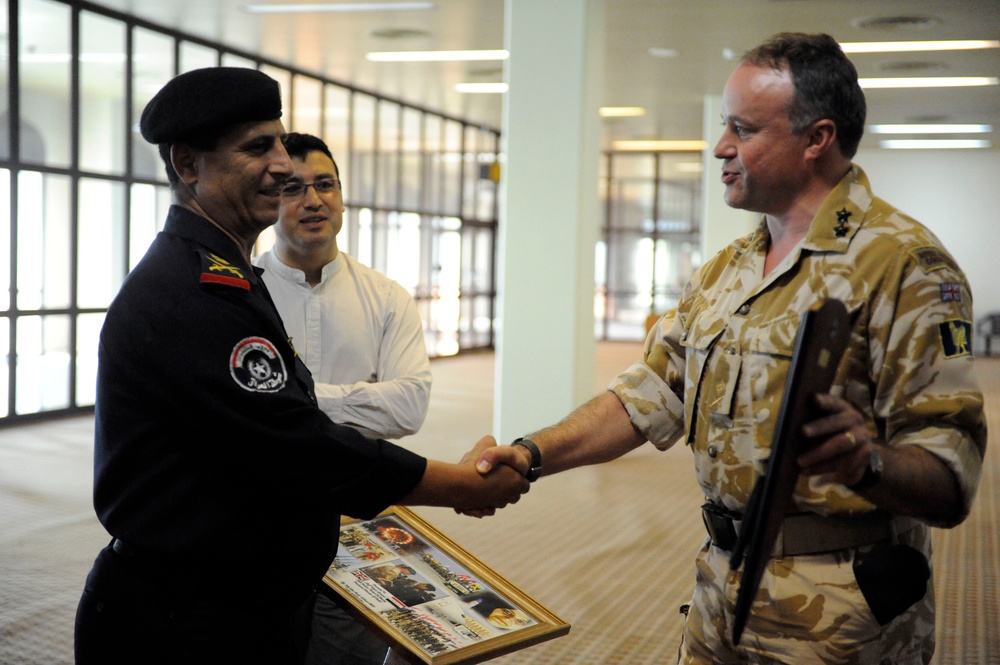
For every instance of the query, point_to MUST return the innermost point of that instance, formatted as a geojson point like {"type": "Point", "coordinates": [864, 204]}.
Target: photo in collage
{"type": "Point", "coordinates": [417, 588]}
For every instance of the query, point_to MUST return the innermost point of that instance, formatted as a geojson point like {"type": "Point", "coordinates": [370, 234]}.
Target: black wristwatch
{"type": "Point", "coordinates": [872, 475]}
{"type": "Point", "coordinates": [536, 458]}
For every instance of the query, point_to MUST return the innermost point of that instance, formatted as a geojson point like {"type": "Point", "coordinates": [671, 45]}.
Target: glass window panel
{"type": "Point", "coordinates": [363, 246]}
{"type": "Point", "coordinates": [336, 127]}
{"type": "Point", "coordinates": [346, 234]}
{"type": "Point", "coordinates": [148, 212]}
{"type": "Point", "coordinates": [451, 168]}
{"type": "Point", "coordinates": [632, 206]}
{"type": "Point", "coordinates": [233, 60]}
{"type": "Point", "coordinates": [195, 56]}
{"type": "Point", "coordinates": [45, 82]}
{"type": "Point", "coordinates": [4, 367]}
{"type": "Point", "coordinates": [305, 117]}
{"type": "Point", "coordinates": [432, 163]}
{"type": "Point", "coordinates": [6, 255]}
{"type": "Point", "coordinates": [4, 101]}
{"type": "Point", "coordinates": [153, 67]}
{"type": "Point", "coordinates": [482, 320]}
{"type": "Point", "coordinates": [483, 251]}
{"type": "Point", "coordinates": [102, 94]}
{"type": "Point", "coordinates": [402, 262]}
{"type": "Point", "coordinates": [445, 307]}
{"type": "Point", "coordinates": [284, 79]}
{"type": "Point", "coordinates": [411, 182]}
{"type": "Point", "coordinates": [379, 239]}
{"type": "Point", "coordinates": [42, 363]}
{"type": "Point", "coordinates": [387, 171]}
{"type": "Point", "coordinates": [101, 241]}
{"type": "Point", "coordinates": [362, 178]}
{"type": "Point", "coordinates": [43, 241]}
{"type": "Point", "coordinates": [88, 330]}
{"type": "Point", "coordinates": [470, 172]}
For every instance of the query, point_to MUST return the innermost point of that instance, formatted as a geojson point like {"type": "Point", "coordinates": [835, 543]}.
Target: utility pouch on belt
{"type": "Point", "coordinates": [719, 523]}
{"type": "Point", "coordinates": [892, 578]}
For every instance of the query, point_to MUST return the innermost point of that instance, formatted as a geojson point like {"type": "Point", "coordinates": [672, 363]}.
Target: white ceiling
{"type": "Point", "coordinates": [700, 31]}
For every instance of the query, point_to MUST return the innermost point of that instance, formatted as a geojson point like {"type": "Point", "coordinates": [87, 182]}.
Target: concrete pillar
{"type": "Point", "coordinates": [549, 213]}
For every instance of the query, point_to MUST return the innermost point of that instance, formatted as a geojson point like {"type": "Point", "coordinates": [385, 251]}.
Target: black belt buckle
{"type": "Point", "coordinates": [719, 524]}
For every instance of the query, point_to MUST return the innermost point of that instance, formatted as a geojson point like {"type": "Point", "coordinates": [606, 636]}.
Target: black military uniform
{"type": "Point", "coordinates": [217, 475]}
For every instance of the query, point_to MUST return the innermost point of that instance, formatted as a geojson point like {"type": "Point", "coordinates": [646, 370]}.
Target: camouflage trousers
{"type": "Point", "coordinates": [809, 609]}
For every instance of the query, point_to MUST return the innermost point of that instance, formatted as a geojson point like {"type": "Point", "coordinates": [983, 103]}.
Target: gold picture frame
{"type": "Point", "coordinates": [428, 598]}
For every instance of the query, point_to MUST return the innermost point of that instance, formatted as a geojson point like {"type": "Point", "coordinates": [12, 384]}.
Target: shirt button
{"type": "Point", "coordinates": [744, 309]}
{"type": "Point", "coordinates": [713, 452]}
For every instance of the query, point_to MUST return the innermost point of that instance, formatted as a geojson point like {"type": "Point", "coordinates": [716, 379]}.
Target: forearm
{"type": "Point", "coordinates": [598, 431]}
{"type": "Point", "coordinates": [460, 486]}
{"type": "Point", "coordinates": [915, 483]}
{"type": "Point", "coordinates": [388, 409]}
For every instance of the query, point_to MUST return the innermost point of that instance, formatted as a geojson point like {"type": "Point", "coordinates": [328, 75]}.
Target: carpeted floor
{"type": "Point", "coordinates": [607, 548]}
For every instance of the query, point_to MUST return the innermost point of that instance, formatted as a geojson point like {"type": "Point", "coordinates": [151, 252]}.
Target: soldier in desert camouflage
{"type": "Point", "coordinates": [902, 443]}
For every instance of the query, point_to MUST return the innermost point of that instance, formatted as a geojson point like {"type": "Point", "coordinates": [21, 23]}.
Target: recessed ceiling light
{"type": "Point", "coordinates": [340, 7]}
{"type": "Point", "coordinates": [480, 87]}
{"type": "Point", "coordinates": [906, 47]}
{"type": "Point", "coordinates": [930, 129]}
{"type": "Point", "coordinates": [929, 82]}
{"type": "Point", "coordinates": [664, 146]}
{"type": "Point", "coordinates": [621, 111]}
{"type": "Point", "coordinates": [934, 144]}
{"type": "Point", "coordinates": [657, 52]}
{"type": "Point", "coordinates": [436, 56]}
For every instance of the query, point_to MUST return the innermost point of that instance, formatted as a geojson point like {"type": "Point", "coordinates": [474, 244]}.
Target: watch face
{"type": "Point", "coordinates": [875, 464]}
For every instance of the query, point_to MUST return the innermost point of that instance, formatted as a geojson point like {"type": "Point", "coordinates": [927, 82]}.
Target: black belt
{"type": "Point", "coordinates": [809, 533]}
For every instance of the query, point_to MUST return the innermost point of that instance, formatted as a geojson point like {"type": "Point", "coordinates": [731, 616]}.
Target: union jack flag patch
{"type": "Point", "coordinates": [951, 292]}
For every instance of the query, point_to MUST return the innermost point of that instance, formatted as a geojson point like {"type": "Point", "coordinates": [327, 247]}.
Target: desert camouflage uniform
{"type": "Point", "coordinates": [713, 373]}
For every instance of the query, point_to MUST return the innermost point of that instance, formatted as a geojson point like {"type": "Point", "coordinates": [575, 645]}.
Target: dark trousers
{"type": "Point", "coordinates": [139, 610]}
{"type": "Point", "coordinates": [338, 639]}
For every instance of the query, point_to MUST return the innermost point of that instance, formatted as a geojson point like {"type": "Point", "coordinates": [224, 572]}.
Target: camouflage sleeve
{"type": "Point", "coordinates": [926, 390]}
{"type": "Point", "coordinates": [649, 389]}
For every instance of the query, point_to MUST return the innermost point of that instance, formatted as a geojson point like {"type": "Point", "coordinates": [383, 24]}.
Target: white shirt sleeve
{"type": "Point", "coordinates": [395, 404]}
{"type": "Point", "coordinates": [361, 337]}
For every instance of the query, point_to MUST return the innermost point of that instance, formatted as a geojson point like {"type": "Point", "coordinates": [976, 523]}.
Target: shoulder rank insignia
{"type": "Point", "coordinates": [956, 338]}
{"type": "Point", "coordinates": [932, 258]}
{"type": "Point", "coordinates": [216, 270]}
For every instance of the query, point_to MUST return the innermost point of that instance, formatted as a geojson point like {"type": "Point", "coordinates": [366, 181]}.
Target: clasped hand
{"type": "Point", "coordinates": [491, 460]}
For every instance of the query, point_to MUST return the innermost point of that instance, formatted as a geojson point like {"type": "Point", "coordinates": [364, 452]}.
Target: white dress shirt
{"type": "Point", "coordinates": [360, 335]}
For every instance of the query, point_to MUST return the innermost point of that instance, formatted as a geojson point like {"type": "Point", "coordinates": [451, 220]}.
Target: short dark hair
{"type": "Point", "coordinates": [202, 142]}
{"type": "Point", "coordinates": [825, 81]}
{"type": "Point", "coordinates": [300, 145]}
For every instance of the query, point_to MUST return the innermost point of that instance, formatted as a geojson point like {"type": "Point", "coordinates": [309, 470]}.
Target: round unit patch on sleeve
{"type": "Point", "coordinates": [257, 366]}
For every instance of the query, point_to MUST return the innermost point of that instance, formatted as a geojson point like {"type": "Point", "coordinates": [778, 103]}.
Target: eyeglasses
{"type": "Point", "coordinates": [295, 190]}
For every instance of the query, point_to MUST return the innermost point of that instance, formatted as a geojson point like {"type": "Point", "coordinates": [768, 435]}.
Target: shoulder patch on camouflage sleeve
{"type": "Point", "coordinates": [932, 258]}
{"type": "Point", "coordinates": [956, 338]}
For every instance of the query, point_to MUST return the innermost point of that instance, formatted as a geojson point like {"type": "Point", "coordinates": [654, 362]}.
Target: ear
{"type": "Point", "coordinates": [185, 162]}
{"type": "Point", "coordinates": [822, 136]}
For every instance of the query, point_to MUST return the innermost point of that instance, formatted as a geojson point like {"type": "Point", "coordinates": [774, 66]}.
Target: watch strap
{"type": "Point", "coordinates": [536, 458]}
{"type": "Point", "coordinates": [872, 474]}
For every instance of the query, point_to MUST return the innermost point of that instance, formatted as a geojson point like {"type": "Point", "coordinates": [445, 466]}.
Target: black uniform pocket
{"type": "Point", "coordinates": [892, 578]}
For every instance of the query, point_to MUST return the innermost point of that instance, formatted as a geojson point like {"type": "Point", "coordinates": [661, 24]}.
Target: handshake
{"type": "Point", "coordinates": [487, 478]}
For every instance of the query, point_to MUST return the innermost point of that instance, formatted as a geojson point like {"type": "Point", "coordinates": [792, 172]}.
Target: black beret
{"type": "Point", "coordinates": [204, 100]}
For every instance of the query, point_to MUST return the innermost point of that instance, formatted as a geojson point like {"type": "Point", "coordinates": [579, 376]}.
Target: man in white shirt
{"type": "Point", "coordinates": [357, 331]}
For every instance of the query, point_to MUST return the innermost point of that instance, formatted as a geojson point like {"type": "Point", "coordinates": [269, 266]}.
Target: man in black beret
{"type": "Point", "coordinates": [216, 474]}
